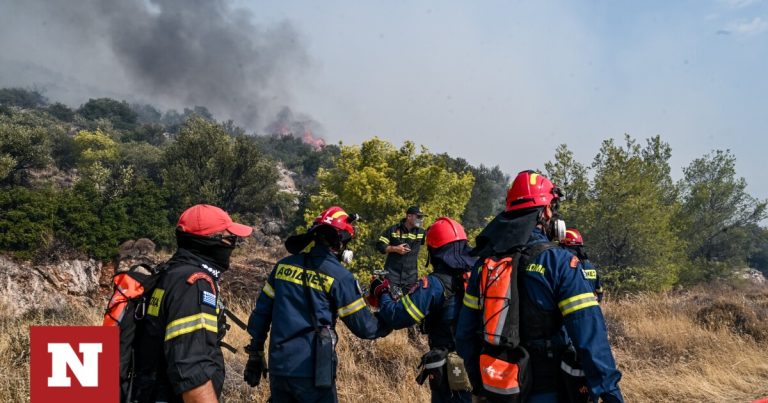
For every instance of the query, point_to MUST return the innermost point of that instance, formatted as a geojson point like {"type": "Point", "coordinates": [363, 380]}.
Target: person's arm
{"type": "Point", "coordinates": [382, 245]}
{"type": "Point", "coordinates": [470, 321]}
{"type": "Point", "coordinates": [412, 308]}
{"type": "Point", "coordinates": [584, 322]}
{"type": "Point", "coordinates": [353, 310]}
{"type": "Point", "coordinates": [261, 318]}
{"type": "Point", "coordinates": [200, 394]}
{"type": "Point", "coordinates": [191, 334]}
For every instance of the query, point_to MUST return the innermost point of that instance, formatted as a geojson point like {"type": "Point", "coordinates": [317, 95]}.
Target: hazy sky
{"type": "Point", "coordinates": [495, 82]}
{"type": "Point", "coordinates": [503, 82]}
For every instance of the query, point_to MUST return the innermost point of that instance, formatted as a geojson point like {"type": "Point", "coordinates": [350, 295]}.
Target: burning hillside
{"type": "Point", "coordinates": [298, 126]}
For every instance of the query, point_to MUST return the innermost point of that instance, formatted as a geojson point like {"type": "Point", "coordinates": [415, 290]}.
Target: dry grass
{"type": "Point", "coordinates": [369, 371]}
{"type": "Point", "coordinates": [701, 345]}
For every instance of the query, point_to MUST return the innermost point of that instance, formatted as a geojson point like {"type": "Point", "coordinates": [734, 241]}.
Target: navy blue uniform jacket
{"type": "Point", "coordinates": [554, 284]}
{"type": "Point", "coordinates": [283, 305]}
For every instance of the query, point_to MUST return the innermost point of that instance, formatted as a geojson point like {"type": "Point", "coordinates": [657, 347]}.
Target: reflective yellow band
{"type": "Point", "coordinates": [268, 290]}
{"type": "Point", "coordinates": [407, 236]}
{"type": "Point", "coordinates": [338, 214]}
{"type": "Point", "coordinates": [351, 308]}
{"type": "Point", "coordinates": [411, 308]}
{"type": "Point", "coordinates": [155, 301]}
{"type": "Point", "coordinates": [384, 239]}
{"type": "Point", "coordinates": [295, 274]}
{"type": "Point", "coordinates": [471, 302]}
{"type": "Point", "coordinates": [191, 323]}
{"type": "Point", "coordinates": [575, 303]}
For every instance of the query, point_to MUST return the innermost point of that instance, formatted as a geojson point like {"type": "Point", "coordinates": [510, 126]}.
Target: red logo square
{"type": "Point", "coordinates": [74, 363]}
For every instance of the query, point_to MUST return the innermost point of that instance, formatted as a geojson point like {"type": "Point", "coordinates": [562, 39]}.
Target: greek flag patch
{"type": "Point", "coordinates": [209, 299]}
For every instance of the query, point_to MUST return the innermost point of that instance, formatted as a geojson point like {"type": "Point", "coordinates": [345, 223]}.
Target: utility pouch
{"type": "Point", "coordinates": [432, 367]}
{"type": "Point", "coordinates": [458, 380]}
{"type": "Point", "coordinates": [504, 374]}
{"type": "Point", "coordinates": [324, 358]}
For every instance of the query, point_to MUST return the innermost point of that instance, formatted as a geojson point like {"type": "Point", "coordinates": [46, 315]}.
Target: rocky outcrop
{"type": "Point", "coordinates": [24, 286]}
{"type": "Point", "coordinates": [285, 180]}
{"type": "Point", "coordinates": [753, 276]}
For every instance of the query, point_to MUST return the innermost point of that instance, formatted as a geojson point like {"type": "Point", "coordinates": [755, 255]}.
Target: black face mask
{"type": "Point", "coordinates": [212, 249]}
{"type": "Point", "coordinates": [451, 258]}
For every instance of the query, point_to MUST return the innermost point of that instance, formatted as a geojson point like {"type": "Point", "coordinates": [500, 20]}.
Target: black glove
{"type": "Point", "coordinates": [432, 366]}
{"type": "Point", "coordinates": [255, 368]}
{"type": "Point", "coordinates": [606, 398]}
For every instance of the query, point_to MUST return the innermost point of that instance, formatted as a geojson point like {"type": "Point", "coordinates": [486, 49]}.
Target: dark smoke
{"type": "Point", "coordinates": [173, 52]}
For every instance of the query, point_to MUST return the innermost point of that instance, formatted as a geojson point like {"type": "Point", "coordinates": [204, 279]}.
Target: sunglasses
{"type": "Point", "coordinates": [231, 239]}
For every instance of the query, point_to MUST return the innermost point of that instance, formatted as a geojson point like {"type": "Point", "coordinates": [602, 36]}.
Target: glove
{"type": "Point", "coordinates": [255, 368]}
{"type": "Point", "coordinates": [608, 398]}
{"type": "Point", "coordinates": [432, 366]}
{"type": "Point", "coordinates": [378, 288]}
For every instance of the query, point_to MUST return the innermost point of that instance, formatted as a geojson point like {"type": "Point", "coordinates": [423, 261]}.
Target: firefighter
{"type": "Point", "coordinates": [178, 357]}
{"type": "Point", "coordinates": [553, 293]}
{"type": "Point", "coordinates": [401, 243]}
{"type": "Point", "coordinates": [304, 295]}
{"type": "Point", "coordinates": [435, 304]}
{"type": "Point", "coordinates": [575, 243]}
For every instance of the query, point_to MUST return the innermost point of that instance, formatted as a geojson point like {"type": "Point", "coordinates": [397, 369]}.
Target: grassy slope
{"type": "Point", "coordinates": [700, 345]}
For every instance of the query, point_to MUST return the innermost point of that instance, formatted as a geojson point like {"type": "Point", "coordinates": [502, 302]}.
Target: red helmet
{"type": "Point", "coordinates": [572, 238]}
{"type": "Point", "coordinates": [444, 231]}
{"type": "Point", "coordinates": [337, 218]}
{"type": "Point", "coordinates": [530, 189]}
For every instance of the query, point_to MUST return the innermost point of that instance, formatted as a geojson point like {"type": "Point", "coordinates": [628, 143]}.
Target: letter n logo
{"type": "Point", "coordinates": [74, 363]}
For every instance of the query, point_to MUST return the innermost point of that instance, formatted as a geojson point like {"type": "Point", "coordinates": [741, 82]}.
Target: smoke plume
{"type": "Point", "coordinates": [174, 53]}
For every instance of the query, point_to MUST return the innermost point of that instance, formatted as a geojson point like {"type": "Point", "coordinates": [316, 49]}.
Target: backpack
{"type": "Point", "coordinates": [503, 361]}
{"type": "Point", "coordinates": [126, 308]}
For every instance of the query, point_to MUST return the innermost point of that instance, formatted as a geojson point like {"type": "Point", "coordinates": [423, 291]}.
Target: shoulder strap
{"type": "Point", "coordinates": [308, 295]}
{"type": "Point", "coordinates": [446, 281]}
{"type": "Point", "coordinates": [530, 253]}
